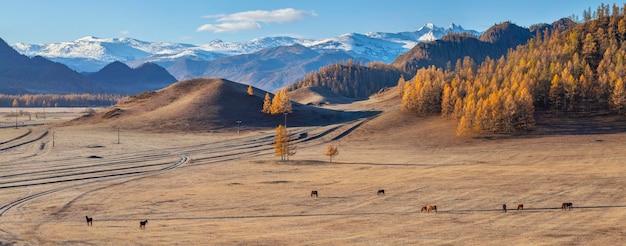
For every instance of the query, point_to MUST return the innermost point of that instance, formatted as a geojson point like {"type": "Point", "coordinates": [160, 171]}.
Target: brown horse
{"type": "Point", "coordinates": [313, 193]}
{"type": "Point", "coordinates": [504, 207]}
{"type": "Point", "coordinates": [432, 208]}
{"type": "Point", "coordinates": [89, 220]}
{"type": "Point", "coordinates": [142, 224]}
{"type": "Point", "coordinates": [424, 209]}
{"type": "Point", "coordinates": [520, 206]}
{"type": "Point", "coordinates": [567, 205]}
{"type": "Point", "coordinates": [380, 193]}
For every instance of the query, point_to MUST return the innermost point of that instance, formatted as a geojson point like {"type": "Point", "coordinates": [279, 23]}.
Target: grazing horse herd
{"type": "Point", "coordinates": [314, 193]}
{"type": "Point", "coordinates": [565, 205]}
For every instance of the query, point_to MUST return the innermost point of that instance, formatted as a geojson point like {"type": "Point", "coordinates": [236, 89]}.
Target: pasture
{"type": "Point", "coordinates": [231, 190]}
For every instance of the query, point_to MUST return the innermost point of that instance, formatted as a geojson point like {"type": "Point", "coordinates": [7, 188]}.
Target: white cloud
{"type": "Point", "coordinates": [230, 26]}
{"type": "Point", "coordinates": [250, 20]}
{"type": "Point", "coordinates": [124, 32]}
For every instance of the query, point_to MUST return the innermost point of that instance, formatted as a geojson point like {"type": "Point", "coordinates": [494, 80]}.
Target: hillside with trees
{"type": "Point", "coordinates": [579, 71]}
{"type": "Point", "coordinates": [565, 68]}
{"type": "Point", "coordinates": [352, 80]}
{"type": "Point", "coordinates": [358, 81]}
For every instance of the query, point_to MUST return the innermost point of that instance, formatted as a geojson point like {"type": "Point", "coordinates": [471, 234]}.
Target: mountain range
{"type": "Point", "coordinates": [20, 74]}
{"type": "Point", "coordinates": [225, 59]}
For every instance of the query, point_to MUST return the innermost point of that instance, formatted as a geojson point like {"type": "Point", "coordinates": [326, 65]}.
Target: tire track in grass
{"type": "Point", "coordinates": [103, 178]}
{"type": "Point", "coordinates": [25, 142]}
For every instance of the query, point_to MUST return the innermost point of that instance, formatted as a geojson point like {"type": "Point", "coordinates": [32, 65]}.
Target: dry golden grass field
{"type": "Point", "coordinates": [221, 187]}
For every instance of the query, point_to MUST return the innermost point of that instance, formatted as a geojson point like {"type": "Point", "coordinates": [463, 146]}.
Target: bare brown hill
{"type": "Point", "coordinates": [317, 96]}
{"type": "Point", "coordinates": [206, 105]}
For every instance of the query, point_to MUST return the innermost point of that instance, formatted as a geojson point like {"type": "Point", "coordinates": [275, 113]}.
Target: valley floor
{"type": "Point", "coordinates": [229, 189]}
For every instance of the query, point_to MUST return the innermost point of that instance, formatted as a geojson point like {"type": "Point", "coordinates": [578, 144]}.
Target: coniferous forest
{"type": "Point", "coordinates": [59, 100]}
{"type": "Point", "coordinates": [579, 71]}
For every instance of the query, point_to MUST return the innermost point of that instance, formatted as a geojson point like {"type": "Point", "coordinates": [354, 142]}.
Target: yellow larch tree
{"type": "Point", "coordinates": [250, 91]}
{"type": "Point", "coordinates": [618, 96]}
{"type": "Point", "coordinates": [283, 146]}
{"type": "Point", "coordinates": [280, 145]}
{"type": "Point", "coordinates": [332, 151]}
{"type": "Point", "coordinates": [266, 104]}
{"type": "Point", "coordinates": [280, 103]}
{"type": "Point", "coordinates": [401, 83]}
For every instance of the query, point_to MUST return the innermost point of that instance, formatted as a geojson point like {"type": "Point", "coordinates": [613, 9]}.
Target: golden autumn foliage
{"type": "Point", "coordinates": [250, 91]}
{"type": "Point", "coordinates": [267, 102]}
{"type": "Point", "coordinates": [352, 79]}
{"type": "Point", "coordinates": [282, 145]}
{"type": "Point", "coordinates": [332, 151]}
{"type": "Point", "coordinates": [278, 105]}
{"type": "Point", "coordinates": [57, 100]}
{"type": "Point", "coordinates": [575, 71]}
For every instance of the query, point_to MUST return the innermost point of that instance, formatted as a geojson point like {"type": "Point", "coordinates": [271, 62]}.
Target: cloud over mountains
{"type": "Point", "coordinates": [251, 20]}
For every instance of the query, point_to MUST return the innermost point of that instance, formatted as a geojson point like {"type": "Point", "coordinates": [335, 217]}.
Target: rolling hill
{"type": "Point", "coordinates": [199, 105]}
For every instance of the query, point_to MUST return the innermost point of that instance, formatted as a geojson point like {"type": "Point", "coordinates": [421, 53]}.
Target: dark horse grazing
{"type": "Point", "coordinates": [142, 224]}
{"type": "Point", "coordinates": [89, 220]}
{"type": "Point", "coordinates": [313, 193]}
{"type": "Point", "coordinates": [504, 207]}
{"type": "Point", "coordinates": [424, 209]}
{"type": "Point", "coordinates": [432, 207]}
{"type": "Point", "coordinates": [567, 205]}
{"type": "Point", "coordinates": [520, 206]}
{"type": "Point", "coordinates": [380, 193]}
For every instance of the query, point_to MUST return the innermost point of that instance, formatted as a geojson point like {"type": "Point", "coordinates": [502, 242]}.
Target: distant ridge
{"type": "Point", "coordinates": [120, 78]}
{"type": "Point", "coordinates": [20, 74]}
{"type": "Point", "coordinates": [268, 69]}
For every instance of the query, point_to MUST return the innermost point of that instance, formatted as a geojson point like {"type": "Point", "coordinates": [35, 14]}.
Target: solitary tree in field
{"type": "Point", "coordinates": [250, 91]}
{"type": "Point", "coordinates": [282, 145]}
{"type": "Point", "coordinates": [332, 151]}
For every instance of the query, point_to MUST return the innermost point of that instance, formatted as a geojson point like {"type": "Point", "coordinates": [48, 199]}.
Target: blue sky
{"type": "Point", "coordinates": [200, 21]}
